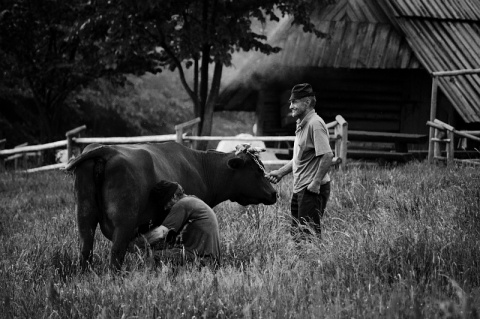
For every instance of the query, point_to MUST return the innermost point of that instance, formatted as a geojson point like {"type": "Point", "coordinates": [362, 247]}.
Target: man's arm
{"type": "Point", "coordinates": [156, 234]}
{"type": "Point", "coordinates": [322, 170]}
{"type": "Point", "coordinates": [151, 237]}
{"type": "Point", "coordinates": [276, 175]}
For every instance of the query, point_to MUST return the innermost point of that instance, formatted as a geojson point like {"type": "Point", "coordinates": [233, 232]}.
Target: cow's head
{"type": "Point", "coordinates": [248, 179]}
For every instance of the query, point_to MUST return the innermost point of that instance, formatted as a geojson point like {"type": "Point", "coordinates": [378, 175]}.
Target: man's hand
{"type": "Point", "coordinates": [156, 234]}
{"type": "Point", "coordinates": [314, 187]}
{"type": "Point", "coordinates": [274, 176]}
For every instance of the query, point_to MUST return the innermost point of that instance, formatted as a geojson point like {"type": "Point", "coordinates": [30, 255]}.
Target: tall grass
{"type": "Point", "coordinates": [400, 242]}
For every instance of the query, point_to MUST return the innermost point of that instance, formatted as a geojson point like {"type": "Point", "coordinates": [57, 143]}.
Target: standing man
{"type": "Point", "coordinates": [312, 157]}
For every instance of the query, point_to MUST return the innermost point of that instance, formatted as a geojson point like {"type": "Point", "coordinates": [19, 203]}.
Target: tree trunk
{"type": "Point", "coordinates": [204, 75]}
{"type": "Point", "coordinates": [210, 105]}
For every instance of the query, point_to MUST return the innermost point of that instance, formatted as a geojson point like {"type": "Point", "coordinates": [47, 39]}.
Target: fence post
{"type": "Point", "coordinates": [180, 128]}
{"type": "Point", "coordinates": [341, 145]}
{"type": "Point", "coordinates": [70, 142]}
{"type": "Point", "coordinates": [450, 146]}
{"type": "Point", "coordinates": [179, 132]}
{"type": "Point", "coordinates": [436, 145]}
{"type": "Point", "coordinates": [433, 115]}
{"type": "Point", "coordinates": [2, 160]}
{"type": "Point", "coordinates": [16, 157]}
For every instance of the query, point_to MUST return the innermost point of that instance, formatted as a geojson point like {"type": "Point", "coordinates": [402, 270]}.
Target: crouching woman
{"type": "Point", "coordinates": [192, 219]}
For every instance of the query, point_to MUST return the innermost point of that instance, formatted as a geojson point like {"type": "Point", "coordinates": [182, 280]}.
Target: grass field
{"type": "Point", "coordinates": [400, 242]}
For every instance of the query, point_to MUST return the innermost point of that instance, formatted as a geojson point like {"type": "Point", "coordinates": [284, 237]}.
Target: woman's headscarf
{"type": "Point", "coordinates": [164, 191]}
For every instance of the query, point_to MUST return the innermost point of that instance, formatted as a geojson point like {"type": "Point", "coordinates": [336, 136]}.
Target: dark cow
{"type": "Point", "coordinates": [113, 183]}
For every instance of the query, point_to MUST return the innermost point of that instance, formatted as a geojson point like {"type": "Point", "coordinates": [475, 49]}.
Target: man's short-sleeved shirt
{"type": "Point", "coordinates": [311, 142]}
{"type": "Point", "coordinates": [198, 225]}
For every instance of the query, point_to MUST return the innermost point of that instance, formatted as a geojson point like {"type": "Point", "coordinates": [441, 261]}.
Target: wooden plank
{"type": "Point", "coordinates": [346, 47]}
{"type": "Point", "coordinates": [126, 140]}
{"type": "Point", "coordinates": [378, 47]}
{"type": "Point", "coordinates": [379, 154]}
{"type": "Point", "coordinates": [30, 148]}
{"type": "Point", "coordinates": [335, 44]}
{"type": "Point", "coordinates": [445, 126]}
{"type": "Point", "coordinates": [381, 126]}
{"type": "Point", "coordinates": [392, 50]}
{"type": "Point", "coordinates": [360, 37]}
{"type": "Point", "coordinates": [366, 47]}
{"type": "Point", "coordinates": [466, 161]}
{"type": "Point", "coordinates": [354, 13]}
{"type": "Point", "coordinates": [247, 139]}
{"type": "Point", "coordinates": [420, 43]}
{"type": "Point", "coordinates": [321, 45]}
{"type": "Point", "coordinates": [457, 54]}
{"type": "Point", "coordinates": [76, 130]}
{"type": "Point", "coordinates": [470, 132]}
{"type": "Point", "coordinates": [433, 114]}
{"type": "Point", "coordinates": [338, 11]}
{"type": "Point", "coordinates": [468, 48]}
{"type": "Point", "coordinates": [46, 168]}
{"type": "Point", "coordinates": [373, 116]}
{"type": "Point", "coordinates": [188, 124]}
{"type": "Point", "coordinates": [435, 58]}
{"type": "Point", "coordinates": [355, 135]}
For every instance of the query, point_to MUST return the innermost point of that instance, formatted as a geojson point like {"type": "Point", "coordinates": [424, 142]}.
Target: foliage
{"type": "Point", "coordinates": [179, 35]}
{"type": "Point", "coordinates": [49, 50]}
{"type": "Point", "coordinates": [147, 105]}
{"type": "Point", "coordinates": [397, 243]}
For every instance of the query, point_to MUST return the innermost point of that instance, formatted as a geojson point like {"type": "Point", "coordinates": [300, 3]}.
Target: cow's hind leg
{"type": "Point", "coordinates": [87, 212]}
{"type": "Point", "coordinates": [122, 198]}
{"type": "Point", "coordinates": [86, 230]}
{"type": "Point", "coordinates": [121, 238]}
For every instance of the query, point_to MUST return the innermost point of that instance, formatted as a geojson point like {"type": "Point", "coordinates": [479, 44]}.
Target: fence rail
{"type": "Point", "coordinates": [185, 132]}
{"type": "Point", "coordinates": [444, 133]}
{"type": "Point", "coordinates": [340, 137]}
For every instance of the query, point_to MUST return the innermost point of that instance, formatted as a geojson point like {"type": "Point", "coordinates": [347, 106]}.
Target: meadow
{"type": "Point", "coordinates": [398, 242]}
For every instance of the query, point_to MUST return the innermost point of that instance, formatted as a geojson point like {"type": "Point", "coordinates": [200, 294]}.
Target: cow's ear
{"type": "Point", "coordinates": [236, 163]}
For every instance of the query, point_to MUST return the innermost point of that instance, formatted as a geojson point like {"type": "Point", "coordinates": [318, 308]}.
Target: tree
{"type": "Point", "coordinates": [183, 34]}
{"type": "Point", "coordinates": [51, 48]}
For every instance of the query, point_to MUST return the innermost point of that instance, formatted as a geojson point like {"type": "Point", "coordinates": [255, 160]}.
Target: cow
{"type": "Point", "coordinates": [113, 183]}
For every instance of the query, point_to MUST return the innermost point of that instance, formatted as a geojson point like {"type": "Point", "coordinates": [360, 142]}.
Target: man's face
{"type": "Point", "coordinates": [299, 107]}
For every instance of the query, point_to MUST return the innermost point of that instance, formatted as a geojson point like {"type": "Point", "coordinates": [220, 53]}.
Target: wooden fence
{"type": "Point", "coordinates": [185, 133]}
{"type": "Point", "coordinates": [445, 134]}
{"type": "Point", "coordinates": [433, 142]}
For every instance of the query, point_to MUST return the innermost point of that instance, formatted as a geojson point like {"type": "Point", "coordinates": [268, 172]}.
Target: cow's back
{"type": "Point", "coordinates": [177, 163]}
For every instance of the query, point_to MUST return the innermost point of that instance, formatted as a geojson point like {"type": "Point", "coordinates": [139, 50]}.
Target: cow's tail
{"type": "Point", "coordinates": [98, 178]}
{"type": "Point", "coordinates": [99, 155]}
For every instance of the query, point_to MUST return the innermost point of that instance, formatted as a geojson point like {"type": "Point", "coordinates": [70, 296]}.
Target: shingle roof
{"type": "Point", "coordinates": [358, 35]}
{"type": "Point", "coordinates": [438, 35]}
{"type": "Point", "coordinates": [445, 36]}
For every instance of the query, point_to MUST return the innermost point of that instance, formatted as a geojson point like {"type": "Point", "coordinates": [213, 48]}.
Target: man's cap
{"type": "Point", "coordinates": [164, 191]}
{"type": "Point", "coordinates": [300, 91]}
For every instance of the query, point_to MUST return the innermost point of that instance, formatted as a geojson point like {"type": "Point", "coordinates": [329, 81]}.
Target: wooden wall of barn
{"type": "Point", "coordinates": [370, 100]}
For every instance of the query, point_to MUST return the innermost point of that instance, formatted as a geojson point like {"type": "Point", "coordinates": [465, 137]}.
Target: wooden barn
{"type": "Point", "coordinates": [373, 67]}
